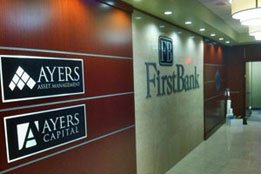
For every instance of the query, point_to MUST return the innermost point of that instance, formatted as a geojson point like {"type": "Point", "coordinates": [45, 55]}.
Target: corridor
{"type": "Point", "coordinates": [231, 150]}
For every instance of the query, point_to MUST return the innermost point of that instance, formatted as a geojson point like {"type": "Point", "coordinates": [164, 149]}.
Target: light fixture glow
{"type": "Point", "coordinates": [168, 12]}
{"type": "Point", "coordinates": [248, 12]}
{"type": "Point", "coordinates": [188, 22]}
{"type": "Point", "coordinates": [212, 34]}
{"type": "Point", "coordinates": [202, 29]}
{"type": "Point", "coordinates": [251, 22]}
{"type": "Point", "coordinates": [162, 26]}
{"type": "Point", "coordinates": [255, 31]}
{"type": "Point", "coordinates": [221, 38]}
{"type": "Point", "coordinates": [258, 37]}
{"type": "Point", "coordinates": [227, 42]}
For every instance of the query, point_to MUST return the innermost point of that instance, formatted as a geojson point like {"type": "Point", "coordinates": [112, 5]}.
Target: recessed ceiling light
{"type": "Point", "coordinates": [188, 22]}
{"type": "Point", "coordinates": [227, 42]}
{"type": "Point", "coordinates": [162, 26]}
{"type": "Point", "coordinates": [221, 38]}
{"type": "Point", "coordinates": [202, 29]}
{"type": "Point", "coordinates": [168, 13]}
{"type": "Point", "coordinates": [212, 34]}
{"type": "Point", "coordinates": [138, 17]}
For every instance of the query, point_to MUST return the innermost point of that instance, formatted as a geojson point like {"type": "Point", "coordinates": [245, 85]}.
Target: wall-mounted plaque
{"type": "Point", "coordinates": [28, 78]}
{"type": "Point", "coordinates": [165, 51]}
{"type": "Point", "coordinates": [33, 133]}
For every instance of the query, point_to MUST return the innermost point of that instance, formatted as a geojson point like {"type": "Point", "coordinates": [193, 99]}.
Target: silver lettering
{"type": "Point", "coordinates": [76, 69]}
{"type": "Point", "coordinates": [76, 115]}
{"type": "Point", "coordinates": [46, 127]}
{"type": "Point", "coordinates": [51, 72]}
{"type": "Point", "coordinates": [61, 74]}
{"type": "Point", "coordinates": [42, 75]}
{"type": "Point", "coordinates": [62, 122]}
{"type": "Point", "coordinates": [54, 123]}
{"type": "Point", "coordinates": [45, 138]}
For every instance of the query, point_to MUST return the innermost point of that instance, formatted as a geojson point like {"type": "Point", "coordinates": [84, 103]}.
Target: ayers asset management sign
{"type": "Point", "coordinates": [27, 77]}
{"type": "Point", "coordinates": [33, 133]}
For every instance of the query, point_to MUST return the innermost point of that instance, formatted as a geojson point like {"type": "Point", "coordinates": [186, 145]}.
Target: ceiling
{"type": "Point", "coordinates": [213, 15]}
{"type": "Point", "coordinates": [222, 8]}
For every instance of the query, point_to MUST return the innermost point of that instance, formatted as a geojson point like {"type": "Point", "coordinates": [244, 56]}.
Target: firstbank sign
{"type": "Point", "coordinates": [178, 80]}
{"type": "Point", "coordinates": [27, 77]}
{"type": "Point", "coordinates": [32, 133]}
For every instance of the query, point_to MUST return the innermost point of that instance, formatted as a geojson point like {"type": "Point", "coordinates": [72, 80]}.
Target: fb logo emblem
{"type": "Point", "coordinates": [165, 51]}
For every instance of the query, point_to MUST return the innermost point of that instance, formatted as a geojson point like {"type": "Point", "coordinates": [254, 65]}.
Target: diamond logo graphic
{"type": "Point", "coordinates": [21, 79]}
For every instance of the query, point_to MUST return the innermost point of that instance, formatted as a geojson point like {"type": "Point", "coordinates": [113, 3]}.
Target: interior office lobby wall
{"type": "Point", "coordinates": [214, 87]}
{"type": "Point", "coordinates": [75, 114]}
{"type": "Point", "coordinates": [168, 109]}
{"type": "Point", "coordinates": [235, 59]}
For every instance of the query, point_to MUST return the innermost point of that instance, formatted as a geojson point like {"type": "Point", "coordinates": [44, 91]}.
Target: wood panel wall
{"type": "Point", "coordinates": [214, 103]}
{"type": "Point", "coordinates": [101, 36]}
{"type": "Point", "coordinates": [236, 57]}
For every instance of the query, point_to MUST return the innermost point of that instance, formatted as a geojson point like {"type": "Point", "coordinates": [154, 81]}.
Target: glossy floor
{"type": "Point", "coordinates": [231, 150]}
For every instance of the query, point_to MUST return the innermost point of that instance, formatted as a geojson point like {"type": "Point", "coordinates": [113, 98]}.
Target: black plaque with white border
{"type": "Point", "coordinates": [165, 51]}
{"type": "Point", "coordinates": [28, 77]}
{"type": "Point", "coordinates": [32, 133]}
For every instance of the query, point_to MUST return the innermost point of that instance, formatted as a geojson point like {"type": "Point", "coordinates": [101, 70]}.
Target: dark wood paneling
{"type": "Point", "coordinates": [238, 103]}
{"type": "Point", "coordinates": [213, 54]}
{"type": "Point", "coordinates": [77, 27]}
{"type": "Point", "coordinates": [81, 26]}
{"type": "Point", "coordinates": [113, 155]}
{"type": "Point", "coordinates": [102, 76]}
{"type": "Point", "coordinates": [211, 91]}
{"type": "Point", "coordinates": [236, 77]}
{"type": "Point", "coordinates": [106, 76]}
{"type": "Point", "coordinates": [214, 114]}
{"type": "Point", "coordinates": [102, 117]}
{"type": "Point", "coordinates": [109, 114]}
{"type": "Point", "coordinates": [252, 52]}
{"type": "Point", "coordinates": [210, 71]}
{"type": "Point", "coordinates": [236, 57]}
{"type": "Point", "coordinates": [214, 103]}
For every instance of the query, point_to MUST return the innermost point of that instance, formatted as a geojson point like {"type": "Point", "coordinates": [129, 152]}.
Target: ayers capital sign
{"type": "Point", "coordinates": [33, 133]}
{"type": "Point", "coordinates": [27, 77]}
{"type": "Point", "coordinates": [178, 80]}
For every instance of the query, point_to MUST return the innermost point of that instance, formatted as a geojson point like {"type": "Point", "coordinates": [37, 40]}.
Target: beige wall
{"type": "Point", "coordinates": [253, 85]}
{"type": "Point", "coordinates": [167, 127]}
